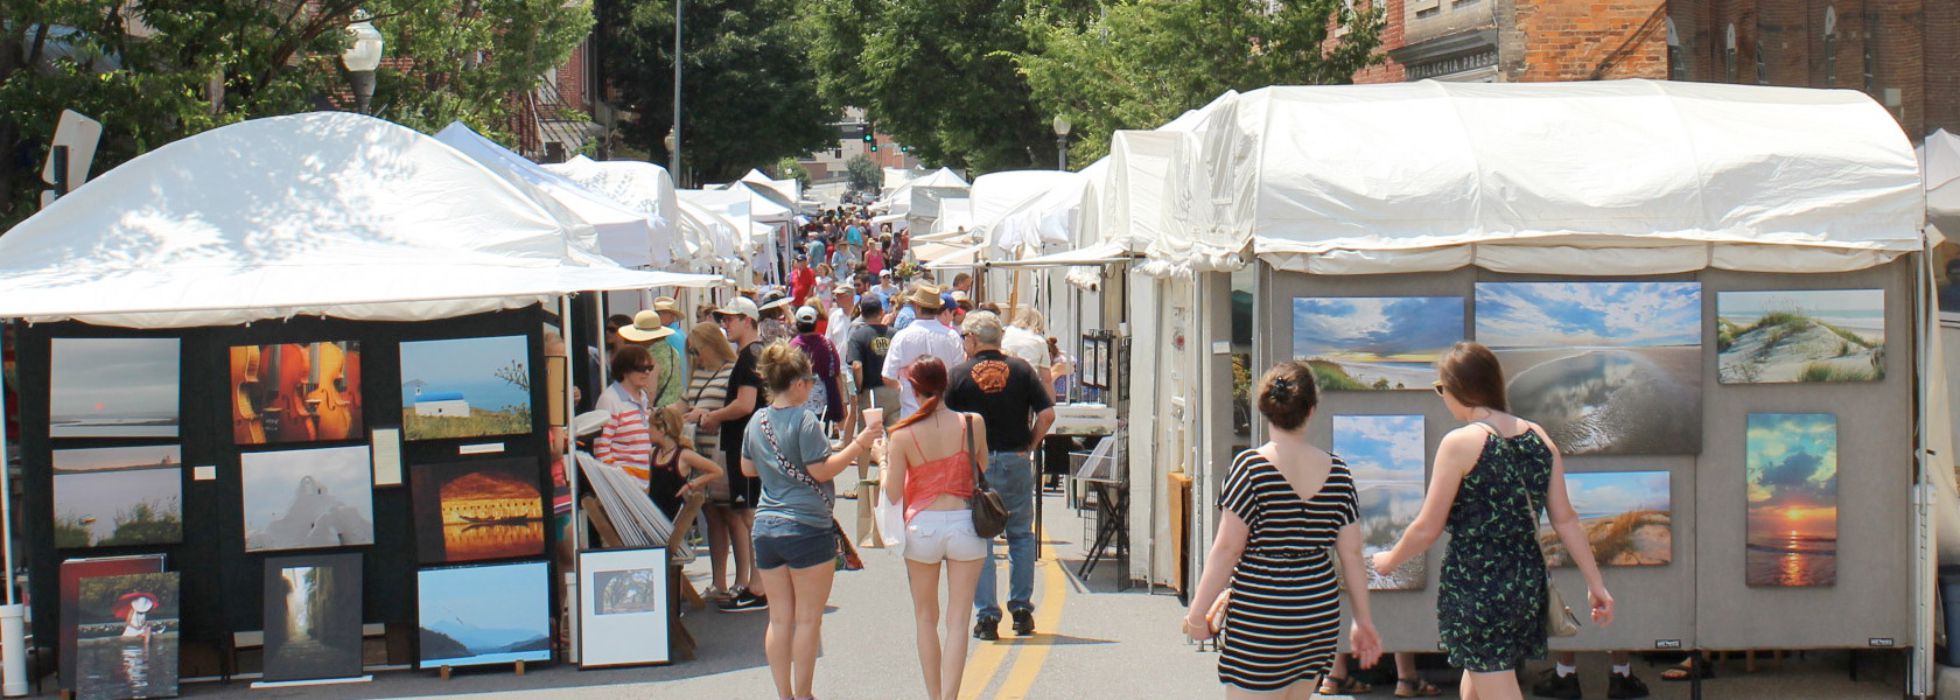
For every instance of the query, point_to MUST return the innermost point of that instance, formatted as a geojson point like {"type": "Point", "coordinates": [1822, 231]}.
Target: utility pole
{"type": "Point", "coordinates": [674, 147]}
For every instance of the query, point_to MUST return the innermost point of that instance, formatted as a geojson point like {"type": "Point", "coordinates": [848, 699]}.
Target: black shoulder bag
{"type": "Point", "coordinates": [989, 512]}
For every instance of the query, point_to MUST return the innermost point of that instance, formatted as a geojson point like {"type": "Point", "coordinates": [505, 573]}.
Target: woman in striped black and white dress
{"type": "Point", "coordinates": [1289, 510]}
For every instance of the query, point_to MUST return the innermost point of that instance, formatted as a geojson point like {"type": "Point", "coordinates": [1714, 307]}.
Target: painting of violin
{"type": "Point", "coordinates": [296, 392]}
{"type": "Point", "coordinates": [246, 428]}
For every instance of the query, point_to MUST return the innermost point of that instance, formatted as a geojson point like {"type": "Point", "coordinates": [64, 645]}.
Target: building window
{"type": "Point", "coordinates": [1871, 57]}
{"type": "Point", "coordinates": [1677, 64]}
{"type": "Point", "coordinates": [1830, 46]}
{"type": "Point", "coordinates": [1729, 57]}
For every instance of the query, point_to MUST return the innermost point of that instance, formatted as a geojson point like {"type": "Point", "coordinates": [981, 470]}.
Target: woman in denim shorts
{"type": "Point", "coordinates": [795, 543]}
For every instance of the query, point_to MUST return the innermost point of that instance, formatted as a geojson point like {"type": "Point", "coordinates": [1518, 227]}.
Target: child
{"type": "Point", "coordinates": [676, 469]}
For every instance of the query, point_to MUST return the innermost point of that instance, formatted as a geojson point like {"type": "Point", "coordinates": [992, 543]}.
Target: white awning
{"type": "Point", "coordinates": [629, 236]}
{"type": "Point", "coordinates": [1104, 253]}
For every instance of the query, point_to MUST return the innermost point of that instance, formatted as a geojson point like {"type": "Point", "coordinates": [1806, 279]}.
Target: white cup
{"type": "Point", "coordinates": [874, 417]}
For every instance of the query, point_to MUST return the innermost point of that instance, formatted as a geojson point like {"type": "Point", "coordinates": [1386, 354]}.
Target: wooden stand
{"type": "Point", "coordinates": [444, 671]}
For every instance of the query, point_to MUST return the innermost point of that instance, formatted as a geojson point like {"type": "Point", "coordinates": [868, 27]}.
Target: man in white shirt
{"type": "Point", "coordinates": [928, 335]}
{"type": "Point", "coordinates": [1027, 339]}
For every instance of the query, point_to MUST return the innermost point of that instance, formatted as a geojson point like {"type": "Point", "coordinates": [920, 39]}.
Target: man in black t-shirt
{"type": "Point", "coordinates": [1006, 392]}
{"type": "Point", "coordinates": [742, 322]}
{"type": "Point", "coordinates": [869, 340]}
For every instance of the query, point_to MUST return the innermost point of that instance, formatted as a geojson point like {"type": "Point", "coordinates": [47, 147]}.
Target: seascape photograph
{"type": "Point", "coordinates": [475, 615]}
{"type": "Point", "coordinates": [1793, 516]}
{"type": "Point", "coordinates": [1628, 518]}
{"type": "Point", "coordinates": [1375, 343]}
{"type": "Point", "coordinates": [1830, 335]}
{"type": "Point", "coordinates": [1605, 367]}
{"type": "Point", "coordinates": [113, 387]}
{"type": "Point", "coordinates": [1386, 456]}
{"type": "Point", "coordinates": [114, 496]}
{"type": "Point", "coordinates": [299, 499]}
{"type": "Point", "coordinates": [465, 387]}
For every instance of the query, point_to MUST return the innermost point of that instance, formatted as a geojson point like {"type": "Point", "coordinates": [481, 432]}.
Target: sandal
{"type": "Point", "coordinates": [1416, 688]}
{"type": "Point", "coordinates": [1344, 686]}
{"type": "Point", "coordinates": [1684, 671]}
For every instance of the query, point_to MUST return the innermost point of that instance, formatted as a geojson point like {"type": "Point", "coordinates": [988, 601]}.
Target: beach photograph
{"type": "Point", "coordinates": [1830, 335]}
{"type": "Point", "coordinates": [466, 387]}
{"type": "Point", "coordinates": [1386, 455]}
{"type": "Point", "coordinates": [127, 635]}
{"type": "Point", "coordinates": [296, 392]}
{"type": "Point", "coordinates": [1605, 367]}
{"type": "Point", "coordinates": [313, 617]}
{"type": "Point", "coordinates": [1628, 518]}
{"type": "Point", "coordinates": [1375, 343]}
{"type": "Point", "coordinates": [113, 388]}
{"type": "Point", "coordinates": [471, 511]}
{"type": "Point", "coordinates": [1792, 478]}
{"type": "Point", "coordinates": [475, 615]}
{"type": "Point", "coordinates": [116, 496]}
{"type": "Point", "coordinates": [299, 499]}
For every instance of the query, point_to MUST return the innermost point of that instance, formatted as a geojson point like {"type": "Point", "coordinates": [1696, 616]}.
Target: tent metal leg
{"type": "Point", "coordinates": [13, 646]}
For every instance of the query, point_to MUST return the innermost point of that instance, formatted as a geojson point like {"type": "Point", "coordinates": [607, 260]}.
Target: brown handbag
{"type": "Point", "coordinates": [989, 511]}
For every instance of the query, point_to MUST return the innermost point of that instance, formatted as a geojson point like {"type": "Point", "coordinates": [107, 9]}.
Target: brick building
{"type": "Point", "coordinates": [1904, 53]}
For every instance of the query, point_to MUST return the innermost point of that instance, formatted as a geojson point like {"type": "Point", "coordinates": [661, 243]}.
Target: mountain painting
{"type": "Point", "coordinates": [1832, 335]}
{"type": "Point", "coordinates": [476, 615]}
{"type": "Point", "coordinates": [1386, 456]}
{"type": "Point", "coordinates": [301, 499]}
{"type": "Point", "coordinates": [1792, 470]}
{"type": "Point", "coordinates": [113, 388]}
{"type": "Point", "coordinates": [115, 496]}
{"type": "Point", "coordinates": [1375, 343]}
{"type": "Point", "coordinates": [1605, 367]}
{"type": "Point", "coordinates": [466, 387]}
{"type": "Point", "coordinates": [1628, 518]}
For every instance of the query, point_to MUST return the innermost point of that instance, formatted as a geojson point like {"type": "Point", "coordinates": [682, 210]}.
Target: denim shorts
{"type": "Point", "coordinates": [783, 542]}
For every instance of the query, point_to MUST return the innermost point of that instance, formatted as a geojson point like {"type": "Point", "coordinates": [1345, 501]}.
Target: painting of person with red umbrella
{"type": "Point", "coordinates": [127, 630]}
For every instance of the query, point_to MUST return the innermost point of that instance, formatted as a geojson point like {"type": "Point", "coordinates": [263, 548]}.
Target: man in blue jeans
{"type": "Point", "coordinates": [1009, 395]}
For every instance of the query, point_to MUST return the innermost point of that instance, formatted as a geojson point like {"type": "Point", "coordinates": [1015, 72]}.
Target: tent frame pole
{"type": "Point", "coordinates": [570, 456]}
{"type": "Point", "coordinates": [1924, 564]}
{"type": "Point", "coordinates": [13, 646]}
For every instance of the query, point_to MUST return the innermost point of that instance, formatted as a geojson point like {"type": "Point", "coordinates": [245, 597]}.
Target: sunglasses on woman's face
{"type": "Point", "coordinates": [1438, 386]}
{"type": "Point", "coordinates": [643, 368]}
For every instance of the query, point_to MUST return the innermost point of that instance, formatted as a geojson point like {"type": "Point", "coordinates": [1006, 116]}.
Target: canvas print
{"type": "Point", "coordinates": [113, 387]}
{"type": "Point", "coordinates": [474, 615]}
{"type": "Point", "coordinates": [126, 629]}
{"type": "Point", "coordinates": [72, 573]}
{"type": "Point", "coordinates": [299, 499]}
{"type": "Point", "coordinates": [471, 511]}
{"type": "Point", "coordinates": [466, 387]}
{"type": "Point", "coordinates": [623, 607]}
{"type": "Point", "coordinates": [1628, 517]}
{"type": "Point", "coordinates": [1386, 456]}
{"type": "Point", "coordinates": [1605, 367]}
{"type": "Point", "coordinates": [116, 496]}
{"type": "Point", "coordinates": [1792, 524]}
{"type": "Point", "coordinates": [295, 392]}
{"type": "Point", "coordinates": [1375, 343]}
{"type": "Point", "coordinates": [1832, 335]}
{"type": "Point", "coordinates": [312, 617]}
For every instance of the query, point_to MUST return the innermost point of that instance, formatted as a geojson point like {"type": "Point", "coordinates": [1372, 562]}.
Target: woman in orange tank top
{"type": "Point", "coordinates": [930, 460]}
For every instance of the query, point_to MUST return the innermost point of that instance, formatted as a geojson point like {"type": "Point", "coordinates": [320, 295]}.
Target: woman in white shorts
{"type": "Point", "coordinates": [930, 460]}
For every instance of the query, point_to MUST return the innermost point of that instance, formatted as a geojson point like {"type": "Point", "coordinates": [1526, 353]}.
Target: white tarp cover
{"type": "Point", "coordinates": [996, 194]}
{"type": "Point", "coordinates": [919, 198]}
{"type": "Point", "coordinates": [1052, 217]}
{"type": "Point", "coordinates": [1610, 177]}
{"type": "Point", "coordinates": [1940, 157]}
{"type": "Point", "coordinates": [331, 214]}
{"type": "Point", "coordinates": [625, 234]}
{"type": "Point", "coordinates": [791, 190]}
{"type": "Point", "coordinates": [955, 214]}
{"type": "Point", "coordinates": [643, 187]}
{"type": "Point", "coordinates": [1134, 204]}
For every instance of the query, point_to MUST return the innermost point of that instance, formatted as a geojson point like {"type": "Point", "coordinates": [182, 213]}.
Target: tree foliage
{"type": "Point", "coordinates": [1144, 62]}
{"type": "Point", "coordinates": [160, 70]}
{"type": "Point", "coordinates": [788, 168]}
{"type": "Point", "coordinates": [865, 176]}
{"type": "Point", "coordinates": [748, 94]}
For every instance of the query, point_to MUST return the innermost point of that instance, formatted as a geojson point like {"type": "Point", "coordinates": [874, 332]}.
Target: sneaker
{"type": "Point", "coordinates": [1552, 685]}
{"type": "Point", "coordinates": [1023, 623]}
{"type": "Point", "coordinates": [1625, 687]}
{"type": "Point", "coordinates": [744, 601]}
{"type": "Point", "coordinates": [986, 629]}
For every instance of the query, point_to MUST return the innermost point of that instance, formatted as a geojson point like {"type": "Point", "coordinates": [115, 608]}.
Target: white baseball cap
{"type": "Point", "coordinates": [740, 306]}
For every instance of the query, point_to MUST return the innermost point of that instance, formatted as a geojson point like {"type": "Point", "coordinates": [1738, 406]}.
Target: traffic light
{"type": "Point", "coordinates": [874, 147]}
{"type": "Point", "coordinates": [868, 137]}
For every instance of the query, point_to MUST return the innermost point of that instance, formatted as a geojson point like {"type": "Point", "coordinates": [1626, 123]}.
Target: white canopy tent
{"type": "Point", "coordinates": [627, 235]}
{"type": "Point", "coordinates": [955, 214]}
{"type": "Point", "coordinates": [646, 188]}
{"type": "Point", "coordinates": [919, 199]}
{"type": "Point", "coordinates": [1940, 159]}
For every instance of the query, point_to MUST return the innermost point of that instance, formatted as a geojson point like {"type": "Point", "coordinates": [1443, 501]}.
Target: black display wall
{"type": "Point", "coordinates": [222, 583]}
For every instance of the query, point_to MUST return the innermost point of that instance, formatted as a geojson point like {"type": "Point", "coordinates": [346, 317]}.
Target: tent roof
{"type": "Point", "coordinates": [1055, 215]}
{"type": "Point", "coordinates": [1940, 158]}
{"type": "Point", "coordinates": [331, 214]}
{"type": "Point", "coordinates": [643, 187]}
{"type": "Point", "coordinates": [625, 234]}
{"type": "Point", "coordinates": [955, 214]}
{"type": "Point", "coordinates": [1429, 175]}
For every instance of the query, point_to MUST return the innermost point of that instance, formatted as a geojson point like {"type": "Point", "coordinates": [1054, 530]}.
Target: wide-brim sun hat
{"type": "Point", "coordinates": [646, 327]}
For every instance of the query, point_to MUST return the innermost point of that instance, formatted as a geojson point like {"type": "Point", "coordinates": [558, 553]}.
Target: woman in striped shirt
{"type": "Point", "coordinates": [712, 360]}
{"type": "Point", "coordinates": [623, 441]}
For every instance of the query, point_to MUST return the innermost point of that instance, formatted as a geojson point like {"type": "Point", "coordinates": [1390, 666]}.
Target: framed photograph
{"type": "Point", "coordinates": [302, 499]}
{"type": "Point", "coordinates": [116, 496]}
{"type": "Point", "coordinates": [1605, 367]}
{"type": "Point", "coordinates": [1793, 516]}
{"type": "Point", "coordinates": [295, 392]}
{"type": "Point", "coordinates": [72, 573]}
{"type": "Point", "coordinates": [1375, 343]}
{"type": "Point", "coordinates": [485, 614]}
{"type": "Point", "coordinates": [1386, 455]}
{"type": "Point", "coordinates": [126, 629]}
{"type": "Point", "coordinates": [466, 387]}
{"type": "Point", "coordinates": [113, 388]}
{"type": "Point", "coordinates": [1628, 517]}
{"type": "Point", "coordinates": [1830, 335]}
{"type": "Point", "coordinates": [623, 608]}
{"type": "Point", "coordinates": [313, 617]}
{"type": "Point", "coordinates": [477, 510]}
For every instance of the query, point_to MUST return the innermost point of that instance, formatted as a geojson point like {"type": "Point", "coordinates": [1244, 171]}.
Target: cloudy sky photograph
{"type": "Point", "coordinates": [114, 377]}
{"type": "Point", "coordinates": [1409, 329]}
{"type": "Point", "coordinates": [1381, 448]}
{"type": "Point", "coordinates": [1588, 314]}
{"type": "Point", "coordinates": [1610, 493]}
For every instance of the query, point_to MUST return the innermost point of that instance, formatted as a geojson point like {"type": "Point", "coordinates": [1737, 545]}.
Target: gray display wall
{"type": "Point", "coordinates": [1699, 599]}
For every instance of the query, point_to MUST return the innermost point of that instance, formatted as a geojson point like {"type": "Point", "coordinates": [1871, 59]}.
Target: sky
{"type": "Point", "coordinates": [1381, 448]}
{"type": "Point", "coordinates": [126, 376]}
{"type": "Point", "coordinates": [1618, 492]}
{"type": "Point", "coordinates": [270, 479]}
{"type": "Point", "coordinates": [450, 365]}
{"type": "Point", "coordinates": [1792, 459]}
{"type": "Point", "coordinates": [1416, 329]}
{"type": "Point", "coordinates": [502, 596]}
{"type": "Point", "coordinates": [1851, 309]}
{"type": "Point", "coordinates": [1578, 314]}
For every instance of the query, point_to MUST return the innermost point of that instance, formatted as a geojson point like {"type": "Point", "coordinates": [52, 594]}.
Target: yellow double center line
{"type": "Point", "coordinates": [1029, 652]}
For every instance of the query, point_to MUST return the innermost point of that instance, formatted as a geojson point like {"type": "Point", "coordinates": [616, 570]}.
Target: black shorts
{"type": "Point", "coordinates": [744, 491]}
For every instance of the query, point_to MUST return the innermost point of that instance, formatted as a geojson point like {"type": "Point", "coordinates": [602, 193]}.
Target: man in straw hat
{"type": "Point", "coordinates": [648, 332]}
{"type": "Point", "coordinates": [931, 335]}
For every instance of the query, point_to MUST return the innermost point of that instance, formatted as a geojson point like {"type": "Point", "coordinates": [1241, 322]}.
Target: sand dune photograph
{"type": "Point", "coordinates": [1832, 335]}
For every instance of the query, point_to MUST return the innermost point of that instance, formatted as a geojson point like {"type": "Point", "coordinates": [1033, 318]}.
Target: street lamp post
{"type": "Point", "coordinates": [1062, 127]}
{"type": "Point", "coordinates": [361, 58]}
{"type": "Point", "coordinates": [674, 135]}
